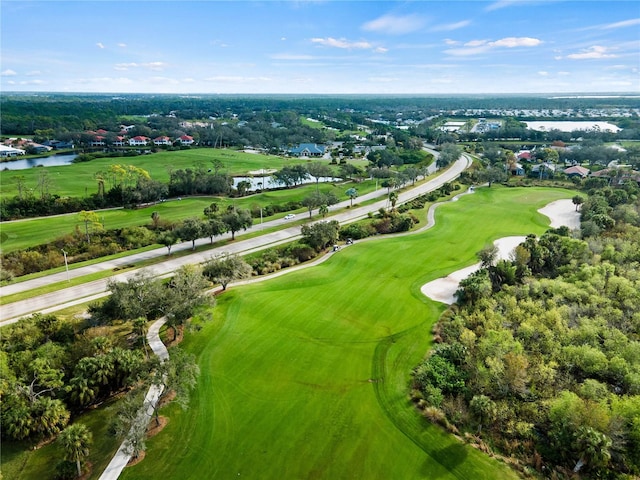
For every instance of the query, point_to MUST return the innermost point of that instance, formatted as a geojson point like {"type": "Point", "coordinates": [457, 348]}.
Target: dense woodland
{"type": "Point", "coordinates": [540, 359]}
{"type": "Point", "coordinates": [272, 121]}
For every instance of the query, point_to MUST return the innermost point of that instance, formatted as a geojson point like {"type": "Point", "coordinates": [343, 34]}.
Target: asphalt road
{"type": "Point", "coordinates": [58, 300]}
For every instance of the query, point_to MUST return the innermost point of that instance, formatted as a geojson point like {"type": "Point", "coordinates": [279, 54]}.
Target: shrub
{"type": "Point", "coordinates": [357, 231]}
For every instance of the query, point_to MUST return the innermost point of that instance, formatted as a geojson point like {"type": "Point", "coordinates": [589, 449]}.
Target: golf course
{"type": "Point", "coordinates": [307, 375]}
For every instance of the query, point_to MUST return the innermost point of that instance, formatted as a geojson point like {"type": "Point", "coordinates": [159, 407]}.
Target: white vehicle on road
{"type": "Point", "coordinates": [289, 216]}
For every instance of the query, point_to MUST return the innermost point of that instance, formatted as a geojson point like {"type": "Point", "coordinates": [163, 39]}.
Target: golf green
{"type": "Point", "coordinates": [306, 375]}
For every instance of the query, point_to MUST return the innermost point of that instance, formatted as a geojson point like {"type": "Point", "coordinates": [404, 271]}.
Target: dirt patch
{"type": "Point", "coordinates": [179, 336]}
{"type": "Point", "coordinates": [155, 428]}
{"type": "Point", "coordinates": [167, 398]}
{"type": "Point", "coordinates": [88, 470]}
{"type": "Point", "coordinates": [136, 460]}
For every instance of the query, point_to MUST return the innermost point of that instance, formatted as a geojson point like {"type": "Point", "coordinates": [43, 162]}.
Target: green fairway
{"type": "Point", "coordinates": [31, 232]}
{"type": "Point", "coordinates": [77, 180]}
{"type": "Point", "coordinates": [306, 375]}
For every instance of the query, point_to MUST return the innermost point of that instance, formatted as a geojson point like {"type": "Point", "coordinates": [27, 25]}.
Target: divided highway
{"type": "Point", "coordinates": [47, 303]}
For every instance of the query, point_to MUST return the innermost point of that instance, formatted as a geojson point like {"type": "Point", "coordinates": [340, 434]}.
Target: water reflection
{"type": "Point", "coordinates": [52, 161]}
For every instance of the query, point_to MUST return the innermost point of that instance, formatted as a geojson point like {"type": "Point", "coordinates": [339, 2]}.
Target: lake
{"type": "Point", "coordinates": [271, 182]}
{"type": "Point", "coordinates": [52, 161]}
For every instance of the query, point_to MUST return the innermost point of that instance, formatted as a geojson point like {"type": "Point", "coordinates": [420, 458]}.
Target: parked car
{"type": "Point", "coordinates": [289, 216]}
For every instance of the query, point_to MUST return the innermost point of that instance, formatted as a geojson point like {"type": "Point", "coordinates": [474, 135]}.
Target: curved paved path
{"type": "Point", "coordinates": [122, 456]}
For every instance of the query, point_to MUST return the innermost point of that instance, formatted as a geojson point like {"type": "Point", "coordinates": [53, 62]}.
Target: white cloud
{"type": "Point", "coordinates": [33, 82]}
{"type": "Point", "coordinates": [34, 73]}
{"type": "Point", "coordinates": [122, 45]}
{"type": "Point", "coordinates": [341, 43]}
{"type": "Point", "coordinates": [542, 73]}
{"type": "Point", "coordinates": [394, 25]}
{"type": "Point", "coordinates": [499, 4]}
{"type": "Point", "coordinates": [449, 27]}
{"type": "Point", "coordinates": [595, 52]}
{"type": "Point", "coordinates": [512, 42]}
{"type": "Point", "coordinates": [625, 23]}
{"type": "Point", "coordinates": [100, 45]}
{"type": "Point", "coordinates": [155, 66]}
{"type": "Point", "coordinates": [104, 82]}
{"type": "Point", "coordinates": [475, 47]}
{"type": "Point", "coordinates": [8, 73]}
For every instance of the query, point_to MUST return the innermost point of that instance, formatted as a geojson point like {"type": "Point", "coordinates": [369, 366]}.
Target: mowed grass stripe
{"type": "Point", "coordinates": [305, 376]}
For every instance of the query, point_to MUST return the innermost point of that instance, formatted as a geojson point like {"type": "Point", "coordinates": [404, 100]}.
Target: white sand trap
{"type": "Point", "coordinates": [560, 212]}
{"type": "Point", "coordinates": [443, 289]}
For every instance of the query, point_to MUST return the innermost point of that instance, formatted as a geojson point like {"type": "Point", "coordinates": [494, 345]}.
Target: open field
{"type": "Point", "coordinates": [77, 180]}
{"type": "Point", "coordinates": [26, 233]}
{"type": "Point", "coordinates": [305, 375]}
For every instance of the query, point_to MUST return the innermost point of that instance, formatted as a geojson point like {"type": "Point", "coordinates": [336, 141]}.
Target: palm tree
{"type": "Point", "coordinates": [577, 201]}
{"type": "Point", "coordinates": [352, 193]}
{"type": "Point", "coordinates": [594, 448]}
{"type": "Point", "coordinates": [393, 198]}
{"type": "Point", "coordinates": [323, 210]}
{"type": "Point", "coordinates": [76, 440]}
{"type": "Point", "coordinates": [52, 416]}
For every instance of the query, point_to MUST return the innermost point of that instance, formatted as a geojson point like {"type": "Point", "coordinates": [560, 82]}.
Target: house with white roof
{"type": "Point", "coordinates": [6, 151]}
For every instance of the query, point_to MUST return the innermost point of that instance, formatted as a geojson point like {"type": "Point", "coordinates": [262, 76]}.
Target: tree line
{"type": "Point", "coordinates": [540, 358]}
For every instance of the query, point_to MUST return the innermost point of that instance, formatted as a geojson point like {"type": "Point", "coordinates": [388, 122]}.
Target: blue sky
{"type": "Point", "coordinates": [344, 47]}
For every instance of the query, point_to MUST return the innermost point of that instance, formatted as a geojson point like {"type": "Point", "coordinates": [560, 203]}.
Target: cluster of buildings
{"type": "Point", "coordinates": [14, 147]}
{"type": "Point", "coordinates": [101, 138]}
{"type": "Point", "coordinates": [569, 113]}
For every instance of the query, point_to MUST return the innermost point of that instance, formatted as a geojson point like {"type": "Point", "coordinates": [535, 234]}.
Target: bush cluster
{"type": "Point", "coordinates": [278, 258]}
{"type": "Point", "coordinates": [44, 257]}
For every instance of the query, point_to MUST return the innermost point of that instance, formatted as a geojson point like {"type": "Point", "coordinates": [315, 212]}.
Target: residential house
{"type": "Point", "coordinates": [543, 170]}
{"type": "Point", "coordinates": [6, 151]}
{"type": "Point", "coordinates": [515, 169]}
{"type": "Point", "coordinates": [118, 141]}
{"type": "Point", "coordinates": [162, 141]}
{"type": "Point", "coordinates": [577, 171]}
{"type": "Point", "coordinates": [185, 140]}
{"type": "Point", "coordinates": [307, 150]}
{"type": "Point", "coordinates": [58, 144]}
{"type": "Point", "coordinates": [618, 176]}
{"type": "Point", "coordinates": [525, 155]}
{"type": "Point", "coordinates": [138, 141]}
{"type": "Point", "coordinates": [97, 141]}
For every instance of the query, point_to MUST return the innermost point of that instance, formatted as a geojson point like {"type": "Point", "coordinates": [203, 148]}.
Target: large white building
{"type": "Point", "coordinates": [10, 151]}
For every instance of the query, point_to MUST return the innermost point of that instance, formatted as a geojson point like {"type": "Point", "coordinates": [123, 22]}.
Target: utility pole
{"type": "Point", "coordinates": [66, 265]}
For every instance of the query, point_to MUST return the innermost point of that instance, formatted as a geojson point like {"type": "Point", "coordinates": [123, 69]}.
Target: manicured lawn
{"type": "Point", "coordinates": [305, 375]}
{"type": "Point", "coordinates": [77, 180]}
{"type": "Point", "coordinates": [28, 233]}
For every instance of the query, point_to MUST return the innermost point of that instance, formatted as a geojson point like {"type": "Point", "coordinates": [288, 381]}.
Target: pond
{"type": "Point", "coordinates": [268, 181]}
{"type": "Point", "coordinates": [52, 161]}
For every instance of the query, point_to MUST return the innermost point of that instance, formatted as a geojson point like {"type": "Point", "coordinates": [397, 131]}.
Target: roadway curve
{"type": "Point", "coordinates": [91, 291]}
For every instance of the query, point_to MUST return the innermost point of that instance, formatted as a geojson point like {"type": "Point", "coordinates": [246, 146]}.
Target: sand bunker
{"type": "Point", "coordinates": [560, 212]}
